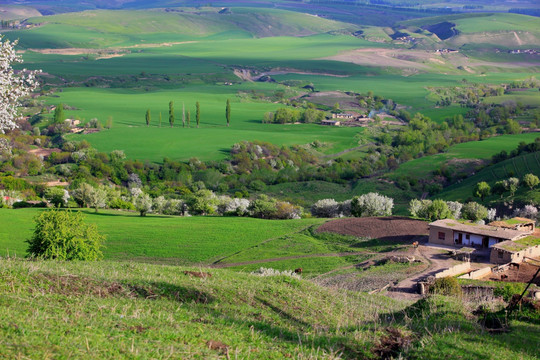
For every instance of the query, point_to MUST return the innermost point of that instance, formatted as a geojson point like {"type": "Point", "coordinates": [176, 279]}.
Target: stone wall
{"type": "Point", "coordinates": [477, 274]}
{"type": "Point", "coordinates": [454, 270]}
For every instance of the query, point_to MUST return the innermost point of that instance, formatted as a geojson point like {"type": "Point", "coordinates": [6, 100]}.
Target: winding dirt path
{"type": "Point", "coordinates": [261, 261]}
{"type": "Point", "coordinates": [435, 261]}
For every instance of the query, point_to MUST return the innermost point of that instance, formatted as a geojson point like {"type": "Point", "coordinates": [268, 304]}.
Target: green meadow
{"type": "Point", "coordinates": [477, 150]}
{"type": "Point", "coordinates": [212, 140]}
{"type": "Point", "coordinates": [516, 167]}
{"type": "Point", "coordinates": [187, 57]}
{"type": "Point", "coordinates": [160, 239]}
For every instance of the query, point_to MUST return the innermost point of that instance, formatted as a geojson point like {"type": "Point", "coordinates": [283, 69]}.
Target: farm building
{"type": "Point", "coordinates": [330, 123]}
{"type": "Point", "coordinates": [515, 251]}
{"type": "Point", "coordinates": [509, 240]}
{"type": "Point", "coordinates": [348, 116]}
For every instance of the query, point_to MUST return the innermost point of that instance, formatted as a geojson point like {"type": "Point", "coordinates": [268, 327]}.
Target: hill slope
{"type": "Point", "coordinates": [124, 310]}
{"type": "Point", "coordinates": [505, 30]}
{"type": "Point", "coordinates": [131, 27]}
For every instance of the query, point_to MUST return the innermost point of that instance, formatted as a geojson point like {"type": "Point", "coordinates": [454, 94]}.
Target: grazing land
{"type": "Point", "coordinates": [73, 309]}
{"type": "Point", "coordinates": [159, 239]}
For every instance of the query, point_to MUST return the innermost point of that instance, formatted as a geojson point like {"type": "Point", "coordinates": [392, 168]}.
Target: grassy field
{"type": "Point", "coordinates": [160, 239]}
{"type": "Point", "coordinates": [73, 310]}
{"type": "Point", "coordinates": [477, 150]}
{"type": "Point", "coordinates": [187, 56]}
{"type": "Point", "coordinates": [516, 167]}
{"type": "Point", "coordinates": [211, 141]}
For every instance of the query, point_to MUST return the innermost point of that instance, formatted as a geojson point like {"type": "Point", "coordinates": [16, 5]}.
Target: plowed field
{"type": "Point", "coordinates": [399, 229]}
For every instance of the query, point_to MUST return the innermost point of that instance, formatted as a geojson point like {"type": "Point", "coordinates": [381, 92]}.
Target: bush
{"type": "Point", "coordinates": [474, 211]}
{"type": "Point", "coordinates": [508, 290]}
{"type": "Point", "coordinates": [326, 208]}
{"type": "Point", "coordinates": [63, 235]}
{"type": "Point", "coordinates": [371, 204]}
{"type": "Point", "coordinates": [448, 286]}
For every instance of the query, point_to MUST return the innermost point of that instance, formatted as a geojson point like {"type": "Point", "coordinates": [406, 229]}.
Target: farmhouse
{"type": "Point", "coordinates": [509, 240]}
{"type": "Point", "coordinates": [330, 123]}
{"type": "Point", "coordinates": [515, 251]}
{"type": "Point", "coordinates": [343, 116]}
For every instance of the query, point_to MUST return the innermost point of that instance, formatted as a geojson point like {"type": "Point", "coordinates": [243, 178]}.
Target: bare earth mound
{"type": "Point", "coordinates": [399, 229]}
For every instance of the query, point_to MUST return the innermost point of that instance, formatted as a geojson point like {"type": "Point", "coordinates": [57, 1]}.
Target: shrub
{"type": "Point", "coordinates": [528, 211]}
{"type": "Point", "coordinates": [455, 208]}
{"type": "Point", "coordinates": [273, 272]}
{"type": "Point", "coordinates": [326, 208]}
{"type": "Point", "coordinates": [63, 235]}
{"type": "Point", "coordinates": [474, 211]}
{"type": "Point", "coordinates": [263, 207]}
{"type": "Point", "coordinates": [371, 204]}
{"type": "Point", "coordinates": [143, 203]}
{"type": "Point", "coordinates": [508, 290]}
{"type": "Point", "coordinates": [448, 286]}
{"type": "Point", "coordinates": [57, 196]}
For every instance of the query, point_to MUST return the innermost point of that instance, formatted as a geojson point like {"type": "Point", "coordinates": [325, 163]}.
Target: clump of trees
{"type": "Point", "coordinates": [439, 209]}
{"type": "Point", "coordinates": [288, 115]}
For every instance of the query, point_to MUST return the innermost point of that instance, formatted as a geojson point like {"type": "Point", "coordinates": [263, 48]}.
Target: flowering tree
{"type": "Point", "coordinates": [12, 86]}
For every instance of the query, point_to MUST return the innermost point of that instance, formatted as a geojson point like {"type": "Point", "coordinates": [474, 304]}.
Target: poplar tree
{"type": "Point", "coordinates": [197, 113]}
{"type": "Point", "coordinates": [183, 115]}
{"type": "Point", "coordinates": [171, 113]}
{"type": "Point", "coordinates": [160, 119]}
{"type": "Point", "coordinates": [59, 114]}
{"type": "Point", "coordinates": [148, 117]}
{"type": "Point", "coordinates": [228, 112]}
{"type": "Point", "coordinates": [188, 118]}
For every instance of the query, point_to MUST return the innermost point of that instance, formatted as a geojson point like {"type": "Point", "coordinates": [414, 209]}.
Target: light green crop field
{"type": "Point", "coordinates": [516, 167]}
{"type": "Point", "coordinates": [212, 140]}
{"type": "Point", "coordinates": [481, 150]}
{"type": "Point", "coordinates": [198, 49]}
{"type": "Point", "coordinates": [159, 239]}
{"type": "Point", "coordinates": [483, 22]}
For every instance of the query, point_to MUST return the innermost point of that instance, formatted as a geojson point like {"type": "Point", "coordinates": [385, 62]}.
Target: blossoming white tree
{"type": "Point", "coordinates": [12, 86]}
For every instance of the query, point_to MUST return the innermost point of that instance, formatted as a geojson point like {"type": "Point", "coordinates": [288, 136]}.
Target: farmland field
{"type": "Point", "coordinates": [516, 167]}
{"type": "Point", "coordinates": [477, 150]}
{"type": "Point", "coordinates": [160, 239]}
{"type": "Point", "coordinates": [152, 57]}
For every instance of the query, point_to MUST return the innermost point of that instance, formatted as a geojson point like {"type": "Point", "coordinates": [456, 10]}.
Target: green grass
{"type": "Point", "coordinates": [515, 167]}
{"type": "Point", "coordinates": [212, 140]}
{"type": "Point", "coordinates": [483, 22]}
{"type": "Point", "coordinates": [75, 309]}
{"type": "Point", "coordinates": [160, 239]}
{"type": "Point", "coordinates": [475, 150]}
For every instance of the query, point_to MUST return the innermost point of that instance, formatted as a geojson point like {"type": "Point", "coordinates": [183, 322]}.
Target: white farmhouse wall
{"type": "Point", "coordinates": [473, 240]}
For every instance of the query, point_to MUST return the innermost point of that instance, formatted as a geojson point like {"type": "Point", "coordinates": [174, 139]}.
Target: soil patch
{"type": "Point", "coordinates": [43, 152]}
{"type": "Point", "coordinates": [523, 273]}
{"type": "Point", "coordinates": [398, 229]}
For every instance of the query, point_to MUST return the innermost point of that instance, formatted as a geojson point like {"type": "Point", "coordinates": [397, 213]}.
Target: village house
{"type": "Point", "coordinates": [509, 240]}
{"type": "Point", "coordinates": [347, 116]}
{"type": "Point", "coordinates": [330, 123]}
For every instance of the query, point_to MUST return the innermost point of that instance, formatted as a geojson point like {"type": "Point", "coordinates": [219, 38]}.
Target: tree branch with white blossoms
{"type": "Point", "coordinates": [13, 86]}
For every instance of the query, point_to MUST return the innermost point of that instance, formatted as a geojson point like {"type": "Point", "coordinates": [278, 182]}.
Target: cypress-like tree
{"type": "Point", "coordinates": [228, 112]}
{"type": "Point", "coordinates": [183, 115]}
{"type": "Point", "coordinates": [171, 113]}
{"type": "Point", "coordinates": [197, 113]}
{"type": "Point", "coordinates": [188, 118]}
{"type": "Point", "coordinates": [148, 117]}
{"type": "Point", "coordinates": [160, 119]}
{"type": "Point", "coordinates": [59, 114]}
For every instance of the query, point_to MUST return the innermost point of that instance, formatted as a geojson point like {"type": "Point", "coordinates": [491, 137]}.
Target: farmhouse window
{"type": "Point", "coordinates": [500, 253]}
{"type": "Point", "coordinates": [442, 236]}
{"type": "Point", "coordinates": [468, 236]}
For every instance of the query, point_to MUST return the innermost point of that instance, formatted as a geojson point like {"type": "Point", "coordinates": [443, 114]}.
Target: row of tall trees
{"type": "Point", "coordinates": [186, 117]}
